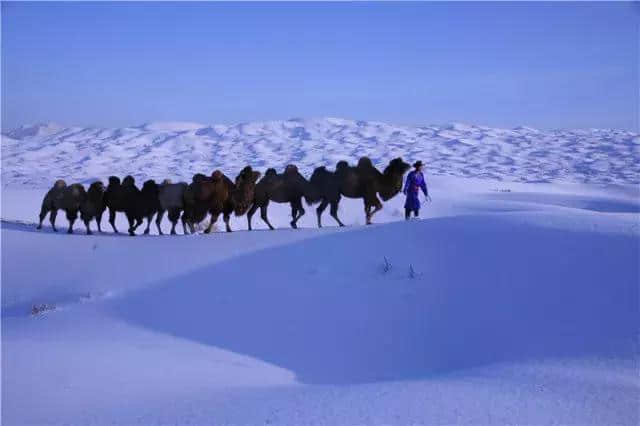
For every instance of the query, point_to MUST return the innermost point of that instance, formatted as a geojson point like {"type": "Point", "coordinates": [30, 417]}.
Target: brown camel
{"type": "Point", "coordinates": [60, 196]}
{"type": "Point", "coordinates": [288, 187]}
{"type": "Point", "coordinates": [93, 206]}
{"type": "Point", "coordinates": [213, 195]}
{"type": "Point", "coordinates": [245, 188]}
{"type": "Point", "coordinates": [363, 181]}
{"type": "Point", "coordinates": [218, 194]}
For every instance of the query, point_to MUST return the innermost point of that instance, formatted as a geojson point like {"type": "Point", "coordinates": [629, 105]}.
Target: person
{"type": "Point", "coordinates": [415, 182]}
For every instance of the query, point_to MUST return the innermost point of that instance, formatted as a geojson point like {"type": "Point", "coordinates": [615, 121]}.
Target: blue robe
{"type": "Point", "coordinates": [415, 182]}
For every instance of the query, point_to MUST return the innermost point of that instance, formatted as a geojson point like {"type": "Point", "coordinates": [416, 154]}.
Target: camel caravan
{"type": "Point", "coordinates": [218, 194]}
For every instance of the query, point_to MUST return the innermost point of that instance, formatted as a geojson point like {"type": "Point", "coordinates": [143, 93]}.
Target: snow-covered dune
{"type": "Point", "coordinates": [522, 308]}
{"type": "Point", "coordinates": [36, 155]}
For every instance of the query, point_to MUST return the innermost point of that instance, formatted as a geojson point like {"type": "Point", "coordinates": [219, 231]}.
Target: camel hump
{"type": "Point", "coordinates": [149, 183]}
{"type": "Point", "coordinates": [365, 162]}
{"type": "Point", "coordinates": [166, 182]}
{"type": "Point", "coordinates": [319, 171]}
{"type": "Point", "coordinates": [291, 168]}
{"type": "Point", "coordinates": [96, 186]}
{"type": "Point", "coordinates": [270, 172]}
{"type": "Point", "coordinates": [217, 175]}
{"type": "Point", "coordinates": [59, 184]}
{"type": "Point", "coordinates": [198, 177]}
{"type": "Point", "coordinates": [128, 180]}
{"type": "Point", "coordinates": [76, 189]}
{"type": "Point", "coordinates": [114, 180]}
{"type": "Point", "coordinates": [342, 165]}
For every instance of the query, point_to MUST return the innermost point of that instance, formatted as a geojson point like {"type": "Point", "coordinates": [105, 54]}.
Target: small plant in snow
{"type": "Point", "coordinates": [387, 266]}
{"type": "Point", "coordinates": [412, 272]}
{"type": "Point", "coordinates": [39, 309]}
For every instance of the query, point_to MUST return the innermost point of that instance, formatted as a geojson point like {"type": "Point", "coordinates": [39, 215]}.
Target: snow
{"type": "Point", "coordinates": [523, 307]}
{"type": "Point", "coordinates": [37, 155]}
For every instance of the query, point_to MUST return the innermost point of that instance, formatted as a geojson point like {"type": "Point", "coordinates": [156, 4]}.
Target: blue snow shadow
{"type": "Point", "coordinates": [487, 290]}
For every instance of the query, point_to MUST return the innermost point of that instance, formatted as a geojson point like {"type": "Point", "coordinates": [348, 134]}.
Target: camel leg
{"type": "Point", "coordinates": [159, 220]}
{"type": "Point", "coordinates": [99, 220]}
{"type": "Point", "coordinates": [139, 221]}
{"type": "Point", "coordinates": [370, 201]}
{"type": "Point", "coordinates": [214, 219]}
{"type": "Point", "coordinates": [250, 214]}
{"type": "Point", "coordinates": [263, 215]}
{"type": "Point", "coordinates": [334, 212]}
{"type": "Point", "coordinates": [227, 217]}
{"type": "Point", "coordinates": [149, 218]}
{"type": "Point", "coordinates": [300, 210]}
{"type": "Point", "coordinates": [323, 205]}
{"type": "Point", "coordinates": [87, 224]}
{"type": "Point", "coordinates": [184, 225]}
{"type": "Point", "coordinates": [112, 219]}
{"type": "Point", "coordinates": [52, 219]}
{"type": "Point", "coordinates": [72, 215]}
{"type": "Point", "coordinates": [174, 216]}
{"type": "Point", "coordinates": [131, 221]}
{"type": "Point", "coordinates": [43, 213]}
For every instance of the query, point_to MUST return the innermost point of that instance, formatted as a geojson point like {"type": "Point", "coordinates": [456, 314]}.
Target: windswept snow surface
{"type": "Point", "coordinates": [522, 307]}
{"type": "Point", "coordinates": [37, 155]}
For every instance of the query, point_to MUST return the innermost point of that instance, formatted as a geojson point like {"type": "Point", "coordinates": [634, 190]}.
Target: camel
{"type": "Point", "coordinates": [363, 181]}
{"type": "Point", "coordinates": [328, 185]}
{"type": "Point", "coordinates": [288, 187]}
{"type": "Point", "coordinates": [147, 204]}
{"type": "Point", "coordinates": [218, 194]}
{"type": "Point", "coordinates": [123, 197]}
{"type": "Point", "coordinates": [244, 192]}
{"type": "Point", "coordinates": [60, 196]}
{"type": "Point", "coordinates": [171, 197]}
{"type": "Point", "coordinates": [208, 195]}
{"type": "Point", "coordinates": [93, 206]}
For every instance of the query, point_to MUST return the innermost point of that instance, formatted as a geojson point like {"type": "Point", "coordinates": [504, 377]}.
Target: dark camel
{"type": "Point", "coordinates": [363, 181]}
{"type": "Point", "coordinates": [93, 206]}
{"type": "Point", "coordinates": [60, 196]}
{"type": "Point", "coordinates": [288, 187]}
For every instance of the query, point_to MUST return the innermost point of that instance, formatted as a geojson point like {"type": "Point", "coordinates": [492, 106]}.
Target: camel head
{"type": "Point", "coordinates": [392, 178]}
{"type": "Point", "coordinates": [244, 192]}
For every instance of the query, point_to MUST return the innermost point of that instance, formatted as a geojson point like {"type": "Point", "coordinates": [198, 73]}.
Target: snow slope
{"type": "Point", "coordinates": [523, 309]}
{"type": "Point", "coordinates": [37, 155]}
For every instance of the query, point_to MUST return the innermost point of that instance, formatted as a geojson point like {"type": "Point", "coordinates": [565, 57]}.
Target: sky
{"type": "Point", "coordinates": [544, 65]}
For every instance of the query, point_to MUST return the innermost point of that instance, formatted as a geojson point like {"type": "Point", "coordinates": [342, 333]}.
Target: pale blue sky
{"type": "Point", "coordinates": [546, 65]}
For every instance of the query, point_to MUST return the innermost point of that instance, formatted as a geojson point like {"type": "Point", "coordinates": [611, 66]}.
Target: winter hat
{"type": "Point", "coordinates": [417, 164]}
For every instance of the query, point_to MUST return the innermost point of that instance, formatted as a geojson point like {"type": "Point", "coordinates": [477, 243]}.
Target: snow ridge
{"type": "Point", "coordinates": [36, 155]}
